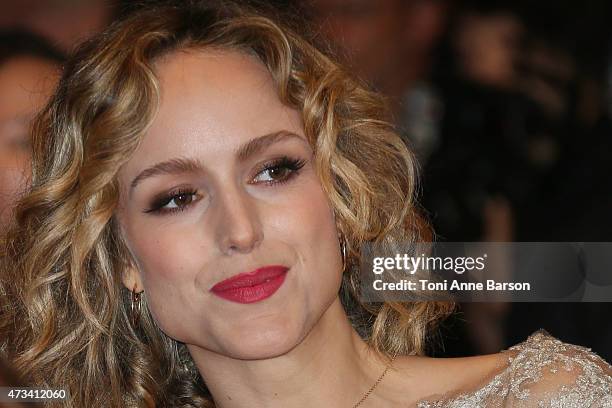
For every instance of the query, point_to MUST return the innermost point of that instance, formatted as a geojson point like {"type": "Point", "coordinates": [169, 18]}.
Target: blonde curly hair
{"type": "Point", "coordinates": [65, 314]}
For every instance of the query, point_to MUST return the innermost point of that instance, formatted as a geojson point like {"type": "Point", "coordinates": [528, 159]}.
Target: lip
{"type": "Point", "coordinates": [253, 286]}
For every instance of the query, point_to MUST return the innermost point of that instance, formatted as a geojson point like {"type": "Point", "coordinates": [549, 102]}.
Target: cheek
{"type": "Point", "coordinates": [169, 260]}
{"type": "Point", "coordinates": [309, 226]}
{"type": "Point", "coordinates": [161, 253]}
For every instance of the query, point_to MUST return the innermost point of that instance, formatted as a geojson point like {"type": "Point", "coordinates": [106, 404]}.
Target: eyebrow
{"type": "Point", "coordinates": [186, 165]}
{"type": "Point", "coordinates": [259, 144]}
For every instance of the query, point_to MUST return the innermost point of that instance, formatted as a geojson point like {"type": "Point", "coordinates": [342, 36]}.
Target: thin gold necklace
{"type": "Point", "coordinates": [367, 394]}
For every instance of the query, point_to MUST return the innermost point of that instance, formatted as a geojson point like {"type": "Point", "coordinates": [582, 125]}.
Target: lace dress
{"type": "Point", "coordinates": [542, 372]}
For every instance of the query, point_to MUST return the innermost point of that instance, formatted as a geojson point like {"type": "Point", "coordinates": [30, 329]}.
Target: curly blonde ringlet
{"type": "Point", "coordinates": [65, 320]}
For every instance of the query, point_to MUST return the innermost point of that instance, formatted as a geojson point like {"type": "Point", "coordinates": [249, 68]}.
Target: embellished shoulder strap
{"type": "Point", "coordinates": [546, 372]}
{"type": "Point", "coordinates": [542, 372]}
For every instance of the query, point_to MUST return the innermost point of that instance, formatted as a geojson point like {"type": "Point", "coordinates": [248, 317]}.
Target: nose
{"type": "Point", "coordinates": [239, 228]}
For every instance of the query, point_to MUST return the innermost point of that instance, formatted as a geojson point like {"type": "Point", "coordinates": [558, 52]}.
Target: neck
{"type": "Point", "coordinates": [331, 366]}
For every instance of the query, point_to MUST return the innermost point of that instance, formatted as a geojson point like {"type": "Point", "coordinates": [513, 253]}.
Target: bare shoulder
{"type": "Point", "coordinates": [541, 371]}
{"type": "Point", "coordinates": [434, 378]}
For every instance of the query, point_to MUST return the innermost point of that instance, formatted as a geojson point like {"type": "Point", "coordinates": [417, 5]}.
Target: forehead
{"type": "Point", "coordinates": [210, 102]}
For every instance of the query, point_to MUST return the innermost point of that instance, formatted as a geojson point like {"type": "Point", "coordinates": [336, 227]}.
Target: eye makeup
{"type": "Point", "coordinates": [175, 200]}
{"type": "Point", "coordinates": [277, 171]}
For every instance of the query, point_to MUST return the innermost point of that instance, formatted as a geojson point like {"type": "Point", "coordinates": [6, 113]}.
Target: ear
{"type": "Point", "coordinates": [130, 275]}
{"type": "Point", "coordinates": [131, 278]}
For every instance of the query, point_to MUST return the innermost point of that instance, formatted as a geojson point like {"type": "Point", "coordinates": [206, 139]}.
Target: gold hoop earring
{"type": "Point", "coordinates": [135, 307]}
{"type": "Point", "coordinates": [343, 251]}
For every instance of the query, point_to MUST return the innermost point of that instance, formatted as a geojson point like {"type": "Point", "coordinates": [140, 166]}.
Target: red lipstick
{"type": "Point", "coordinates": [250, 287]}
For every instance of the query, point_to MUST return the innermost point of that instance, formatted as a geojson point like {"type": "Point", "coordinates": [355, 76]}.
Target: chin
{"type": "Point", "coordinates": [261, 340]}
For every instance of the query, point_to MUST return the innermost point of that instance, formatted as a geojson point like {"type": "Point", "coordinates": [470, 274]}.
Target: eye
{"type": "Point", "coordinates": [173, 201]}
{"type": "Point", "coordinates": [180, 200]}
{"type": "Point", "coordinates": [273, 174]}
{"type": "Point", "coordinates": [279, 171]}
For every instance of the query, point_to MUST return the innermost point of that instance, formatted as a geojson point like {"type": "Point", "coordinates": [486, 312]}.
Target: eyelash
{"type": "Point", "coordinates": [292, 164]}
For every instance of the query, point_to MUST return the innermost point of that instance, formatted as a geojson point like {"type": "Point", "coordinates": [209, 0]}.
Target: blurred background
{"type": "Point", "coordinates": [507, 105]}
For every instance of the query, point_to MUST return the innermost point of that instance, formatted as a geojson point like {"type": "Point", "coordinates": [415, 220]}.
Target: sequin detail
{"type": "Point", "coordinates": [542, 372]}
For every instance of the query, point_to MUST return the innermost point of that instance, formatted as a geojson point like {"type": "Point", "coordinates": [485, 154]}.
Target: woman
{"type": "Point", "coordinates": [29, 69]}
{"type": "Point", "coordinates": [203, 182]}
{"type": "Point", "coordinates": [28, 72]}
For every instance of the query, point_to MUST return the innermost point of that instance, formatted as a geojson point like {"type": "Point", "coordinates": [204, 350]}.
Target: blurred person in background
{"type": "Point", "coordinates": [573, 199]}
{"type": "Point", "coordinates": [391, 44]}
{"type": "Point", "coordinates": [64, 23]}
{"type": "Point", "coordinates": [29, 70]}
{"type": "Point", "coordinates": [510, 130]}
{"type": "Point", "coordinates": [524, 123]}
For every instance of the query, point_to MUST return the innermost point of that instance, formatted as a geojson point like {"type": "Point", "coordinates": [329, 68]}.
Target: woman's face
{"type": "Point", "coordinates": [25, 85]}
{"type": "Point", "coordinates": [223, 184]}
